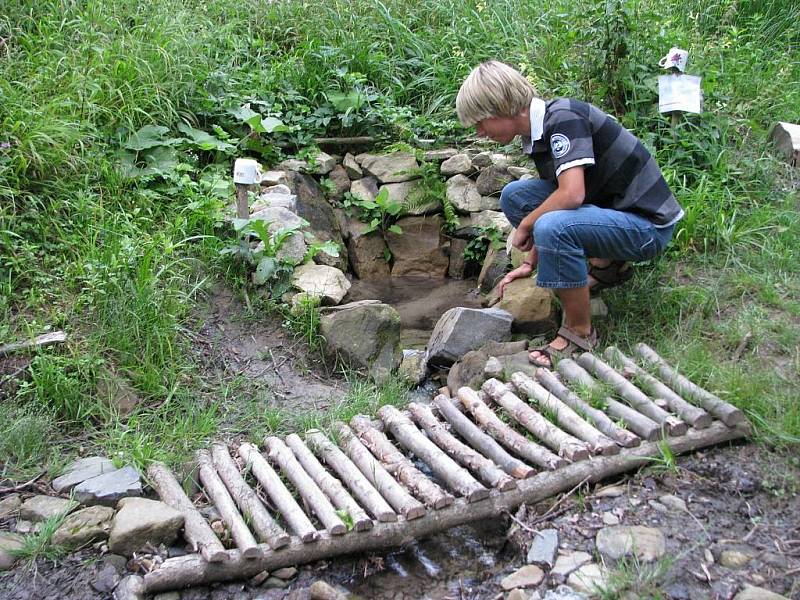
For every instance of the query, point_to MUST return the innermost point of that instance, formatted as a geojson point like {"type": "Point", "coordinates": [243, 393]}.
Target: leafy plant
{"type": "Point", "coordinates": [379, 214]}
{"type": "Point", "coordinates": [477, 247]}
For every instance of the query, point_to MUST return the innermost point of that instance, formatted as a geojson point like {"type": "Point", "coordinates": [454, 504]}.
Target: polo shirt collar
{"type": "Point", "coordinates": [537, 125]}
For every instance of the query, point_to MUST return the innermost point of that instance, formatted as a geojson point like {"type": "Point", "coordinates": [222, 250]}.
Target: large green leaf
{"type": "Point", "coordinates": [149, 136]}
{"type": "Point", "coordinates": [203, 140]}
{"type": "Point", "coordinates": [265, 270]}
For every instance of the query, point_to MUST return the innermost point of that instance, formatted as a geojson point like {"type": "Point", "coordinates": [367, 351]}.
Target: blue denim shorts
{"type": "Point", "coordinates": [564, 239]}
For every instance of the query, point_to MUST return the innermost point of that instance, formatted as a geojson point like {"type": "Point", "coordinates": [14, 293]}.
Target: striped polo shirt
{"type": "Point", "coordinates": [619, 171]}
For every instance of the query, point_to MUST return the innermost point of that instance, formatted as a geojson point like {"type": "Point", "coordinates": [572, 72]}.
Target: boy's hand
{"type": "Point", "coordinates": [524, 270]}
{"type": "Point", "coordinates": [522, 239]}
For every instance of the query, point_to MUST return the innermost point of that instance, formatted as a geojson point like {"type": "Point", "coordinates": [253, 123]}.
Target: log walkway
{"type": "Point", "coordinates": [372, 485]}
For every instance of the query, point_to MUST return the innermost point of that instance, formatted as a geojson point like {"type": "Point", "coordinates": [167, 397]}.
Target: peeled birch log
{"type": "Point", "coordinates": [396, 463]}
{"type": "Point", "coordinates": [566, 417]}
{"type": "Point", "coordinates": [727, 413]}
{"type": "Point", "coordinates": [267, 530]}
{"type": "Point", "coordinates": [336, 459]}
{"type": "Point", "coordinates": [218, 494]}
{"type": "Point", "coordinates": [444, 467]}
{"type": "Point", "coordinates": [631, 394]}
{"type": "Point", "coordinates": [481, 466]}
{"type": "Point", "coordinates": [332, 487]}
{"type": "Point", "coordinates": [195, 528]}
{"type": "Point", "coordinates": [394, 493]}
{"type": "Point", "coordinates": [280, 454]}
{"type": "Point", "coordinates": [193, 570]}
{"type": "Point", "coordinates": [480, 440]}
{"type": "Point", "coordinates": [276, 490]}
{"type": "Point", "coordinates": [696, 417]}
{"type": "Point", "coordinates": [505, 434]}
{"type": "Point", "coordinates": [621, 436]}
{"type": "Point", "coordinates": [567, 446]}
{"type": "Point", "coordinates": [641, 425]}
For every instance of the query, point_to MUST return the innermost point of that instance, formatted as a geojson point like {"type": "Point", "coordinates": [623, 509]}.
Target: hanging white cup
{"type": "Point", "coordinates": [675, 58]}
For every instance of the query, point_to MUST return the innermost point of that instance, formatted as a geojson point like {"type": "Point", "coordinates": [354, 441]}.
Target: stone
{"type": "Point", "coordinates": [285, 573]}
{"type": "Point", "coordinates": [171, 595]}
{"type": "Point", "coordinates": [315, 208]}
{"type": "Point", "coordinates": [567, 563]}
{"type": "Point", "coordinates": [611, 491]}
{"type": "Point", "coordinates": [365, 188]}
{"type": "Point", "coordinates": [277, 218]}
{"type": "Point", "coordinates": [517, 172]}
{"type": "Point", "coordinates": [328, 283]}
{"type": "Point", "coordinates": [460, 330]}
{"type": "Point", "coordinates": [463, 194]}
{"type": "Point", "coordinates": [41, 508]}
{"type": "Point", "coordinates": [116, 392]}
{"type": "Point", "coordinates": [501, 349]}
{"type": "Point", "coordinates": [407, 193]}
{"type": "Point", "coordinates": [414, 367]}
{"type": "Point", "coordinates": [367, 251]}
{"type": "Point", "coordinates": [492, 180]}
{"type": "Point", "coordinates": [468, 371]}
{"type": "Point", "coordinates": [293, 248]}
{"type": "Point", "coordinates": [786, 139]}
{"type": "Point", "coordinates": [10, 505]}
{"type": "Point", "coordinates": [109, 488]}
{"type": "Point", "coordinates": [458, 264]}
{"type": "Point", "coordinates": [320, 590]}
{"type": "Point", "coordinates": [493, 368]}
{"type": "Point", "coordinates": [459, 164]}
{"type": "Point", "coordinates": [440, 155]}
{"type": "Point", "coordinates": [352, 167]}
{"type": "Point", "coordinates": [130, 588]}
{"type": "Point", "coordinates": [9, 542]}
{"type": "Point", "coordinates": [482, 160]}
{"type": "Point", "coordinates": [324, 162]}
{"type": "Point", "coordinates": [534, 309]}
{"type": "Point", "coordinates": [81, 470]}
{"type": "Point", "coordinates": [365, 335]}
{"type": "Point", "coordinates": [391, 168]}
{"type": "Point", "coordinates": [25, 527]}
{"type": "Point", "coordinates": [275, 583]}
{"type": "Point", "coordinates": [518, 594]}
{"type": "Point", "coordinates": [84, 526]}
{"type": "Point", "coordinates": [527, 576]}
{"type": "Point", "coordinates": [673, 503]}
{"type": "Point", "coordinates": [474, 224]}
{"type": "Point", "coordinates": [543, 549]}
{"type": "Point", "coordinates": [609, 518]}
{"type": "Point", "coordinates": [734, 559]}
{"type": "Point", "coordinates": [417, 251]}
{"type": "Point", "coordinates": [340, 182]}
{"type": "Point", "coordinates": [597, 308]}
{"type": "Point", "coordinates": [751, 592]}
{"type": "Point", "coordinates": [105, 579]}
{"type": "Point", "coordinates": [491, 203]}
{"type": "Point", "coordinates": [258, 579]}
{"type": "Point", "coordinates": [588, 579]}
{"type": "Point", "coordinates": [276, 190]}
{"type": "Point", "coordinates": [293, 165]}
{"type": "Point", "coordinates": [495, 266]}
{"type": "Point", "coordinates": [527, 176]}
{"type": "Point", "coordinates": [564, 592]}
{"type": "Point", "coordinates": [270, 178]}
{"type": "Point", "coordinates": [141, 521]}
{"type": "Point", "coordinates": [646, 543]}
{"type": "Point", "coordinates": [274, 200]}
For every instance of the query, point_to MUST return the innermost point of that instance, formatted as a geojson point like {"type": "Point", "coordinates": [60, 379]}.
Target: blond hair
{"type": "Point", "coordinates": [493, 89]}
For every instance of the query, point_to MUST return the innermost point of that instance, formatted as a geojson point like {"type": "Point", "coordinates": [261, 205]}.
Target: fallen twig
{"type": "Point", "coordinates": [22, 486]}
{"type": "Point", "coordinates": [40, 341]}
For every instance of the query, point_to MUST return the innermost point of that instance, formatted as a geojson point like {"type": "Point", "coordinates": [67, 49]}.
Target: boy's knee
{"type": "Point", "coordinates": [547, 229]}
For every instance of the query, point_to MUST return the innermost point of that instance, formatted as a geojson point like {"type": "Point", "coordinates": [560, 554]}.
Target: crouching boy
{"type": "Point", "coordinates": [601, 202]}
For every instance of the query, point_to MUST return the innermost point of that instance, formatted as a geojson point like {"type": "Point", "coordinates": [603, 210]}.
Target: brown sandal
{"type": "Point", "coordinates": [615, 273]}
{"type": "Point", "coordinates": [576, 344]}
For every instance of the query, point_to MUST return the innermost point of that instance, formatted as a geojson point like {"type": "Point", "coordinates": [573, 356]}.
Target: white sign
{"type": "Point", "coordinates": [679, 92]}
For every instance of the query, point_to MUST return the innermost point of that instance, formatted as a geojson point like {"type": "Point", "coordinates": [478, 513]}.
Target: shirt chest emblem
{"type": "Point", "coordinates": [559, 145]}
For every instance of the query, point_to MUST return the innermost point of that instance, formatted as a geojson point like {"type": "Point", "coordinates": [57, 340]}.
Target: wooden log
{"type": "Point", "coordinates": [332, 487]}
{"type": "Point", "coordinates": [506, 435]}
{"type": "Point", "coordinates": [218, 494]}
{"type": "Point", "coordinates": [195, 528]}
{"type": "Point", "coordinates": [566, 417]}
{"type": "Point", "coordinates": [280, 496]}
{"type": "Point", "coordinates": [396, 463]}
{"type": "Point", "coordinates": [631, 394]}
{"type": "Point", "coordinates": [694, 416]}
{"type": "Point", "coordinates": [641, 425]}
{"type": "Point", "coordinates": [566, 445]}
{"type": "Point", "coordinates": [394, 493]}
{"type": "Point", "coordinates": [445, 468]}
{"type": "Point", "coordinates": [242, 208]}
{"type": "Point", "coordinates": [360, 140]}
{"type": "Point", "coordinates": [727, 413]}
{"type": "Point", "coordinates": [349, 473]}
{"type": "Point", "coordinates": [621, 436]}
{"type": "Point", "coordinates": [480, 440]}
{"type": "Point", "coordinates": [193, 570]}
{"type": "Point", "coordinates": [481, 466]}
{"type": "Point", "coordinates": [40, 341]}
{"type": "Point", "coordinates": [280, 454]}
{"type": "Point", "coordinates": [267, 530]}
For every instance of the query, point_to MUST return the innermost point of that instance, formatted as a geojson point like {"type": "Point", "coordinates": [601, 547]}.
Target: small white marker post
{"type": "Point", "coordinates": [246, 172]}
{"type": "Point", "coordinates": [678, 92]}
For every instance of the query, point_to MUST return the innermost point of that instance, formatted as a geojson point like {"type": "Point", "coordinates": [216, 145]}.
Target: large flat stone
{"type": "Point", "coordinates": [588, 579]}
{"type": "Point", "coordinates": [527, 576]}
{"type": "Point", "coordinates": [461, 330]}
{"type": "Point", "coordinates": [8, 543]}
{"type": "Point", "coordinates": [84, 526]}
{"type": "Point", "coordinates": [544, 548]}
{"type": "Point", "coordinates": [646, 543]}
{"type": "Point", "coordinates": [10, 505]}
{"type": "Point", "coordinates": [567, 563]}
{"type": "Point", "coordinates": [140, 521]}
{"type": "Point", "coordinates": [109, 488]}
{"type": "Point", "coordinates": [391, 168]}
{"type": "Point", "coordinates": [751, 592]}
{"type": "Point", "coordinates": [417, 252]}
{"type": "Point", "coordinates": [327, 283]}
{"type": "Point", "coordinates": [41, 508]}
{"type": "Point", "coordinates": [81, 470]}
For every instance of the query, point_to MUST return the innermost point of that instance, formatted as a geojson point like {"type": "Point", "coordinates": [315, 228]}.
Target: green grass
{"type": "Point", "coordinates": [121, 262]}
{"type": "Point", "coordinates": [40, 543]}
{"type": "Point", "coordinates": [632, 578]}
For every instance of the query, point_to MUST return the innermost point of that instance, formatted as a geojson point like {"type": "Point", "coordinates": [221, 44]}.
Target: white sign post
{"type": "Point", "coordinates": [678, 92]}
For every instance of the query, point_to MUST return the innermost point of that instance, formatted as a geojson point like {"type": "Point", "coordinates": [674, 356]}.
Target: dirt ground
{"type": "Point", "coordinates": [739, 497]}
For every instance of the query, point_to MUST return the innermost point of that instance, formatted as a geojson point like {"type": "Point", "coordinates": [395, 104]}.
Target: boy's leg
{"type": "Point", "coordinates": [520, 198]}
